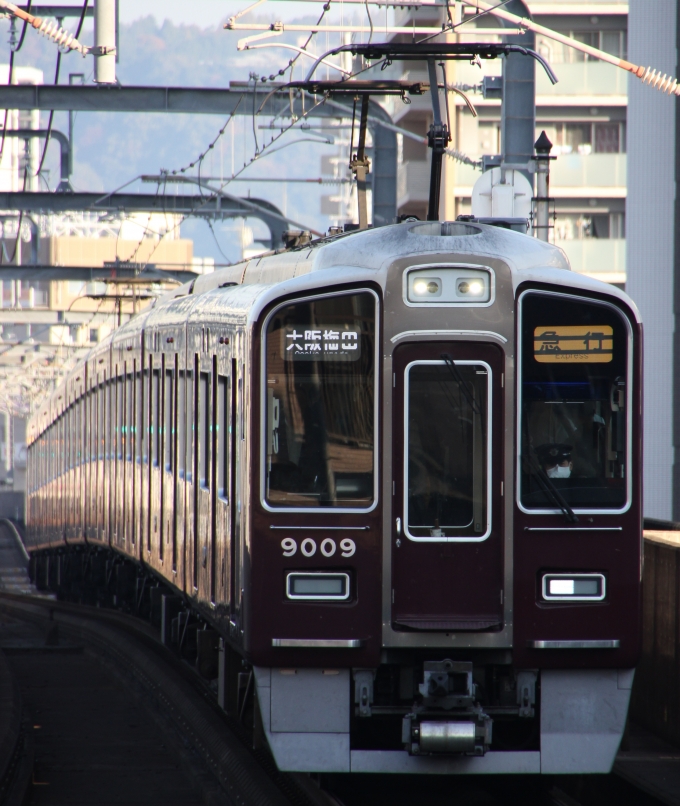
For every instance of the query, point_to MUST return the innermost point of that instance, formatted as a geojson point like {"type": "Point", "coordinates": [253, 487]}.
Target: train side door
{"type": "Point", "coordinates": [222, 472]}
{"type": "Point", "coordinates": [203, 483]}
{"type": "Point", "coordinates": [447, 547]}
{"type": "Point", "coordinates": [184, 509]}
{"type": "Point", "coordinates": [168, 541]}
{"type": "Point", "coordinates": [155, 452]}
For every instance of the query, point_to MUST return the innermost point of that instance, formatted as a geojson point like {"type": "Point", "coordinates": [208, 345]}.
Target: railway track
{"type": "Point", "coordinates": [213, 747]}
{"type": "Point", "coordinates": [43, 638]}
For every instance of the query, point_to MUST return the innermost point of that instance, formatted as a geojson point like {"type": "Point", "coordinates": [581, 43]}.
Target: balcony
{"type": "Point", "coordinates": [601, 258]}
{"type": "Point", "coordinates": [573, 175]}
{"type": "Point", "coordinates": [594, 82]}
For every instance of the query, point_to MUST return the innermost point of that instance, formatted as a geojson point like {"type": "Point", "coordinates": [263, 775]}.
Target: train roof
{"type": "Point", "coordinates": [239, 293]}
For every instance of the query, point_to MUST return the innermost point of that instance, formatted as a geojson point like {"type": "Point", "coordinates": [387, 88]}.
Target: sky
{"type": "Point", "coordinates": [165, 43]}
{"type": "Point", "coordinates": [204, 13]}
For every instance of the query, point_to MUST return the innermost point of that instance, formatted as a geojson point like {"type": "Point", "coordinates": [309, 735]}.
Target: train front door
{"type": "Point", "coordinates": [447, 546]}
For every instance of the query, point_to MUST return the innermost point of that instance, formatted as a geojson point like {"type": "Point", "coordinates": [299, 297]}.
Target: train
{"type": "Point", "coordinates": [397, 473]}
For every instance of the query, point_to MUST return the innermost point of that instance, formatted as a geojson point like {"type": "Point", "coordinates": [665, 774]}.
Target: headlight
{"type": "Point", "coordinates": [452, 285]}
{"type": "Point", "coordinates": [472, 288]}
{"type": "Point", "coordinates": [427, 287]}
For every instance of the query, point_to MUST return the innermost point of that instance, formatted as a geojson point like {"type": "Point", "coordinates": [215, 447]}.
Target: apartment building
{"type": "Point", "coordinates": [584, 115]}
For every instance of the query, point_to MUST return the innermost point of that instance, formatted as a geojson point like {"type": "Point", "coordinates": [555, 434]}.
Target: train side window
{"type": "Point", "coordinates": [189, 401]}
{"type": "Point", "coordinates": [109, 424]}
{"type": "Point", "coordinates": [92, 425]}
{"type": "Point", "coordinates": [222, 424]}
{"type": "Point", "coordinates": [93, 422]}
{"type": "Point", "coordinates": [64, 443]}
{"type": "Point", "coordinates": [181, 423]}
{"type": "Point", "coordinates": [574, 404]}
{"type": "Point", "coordinates": [72, 434]}
{"type": "Point", "coordinates": [85, 414]}
{"type": "Point", "coordinates": [141, 382]}
{"type": "Point", "coordinates": [155, 442]}
{"type": "Point", "coordinates": [67, 440]}
{"type": "Point", "coordinates": [204, 429]}
{"type": "Point", "coordinates": [319, 403]}
{"type": "Point", "coordinates": [120, 418]}
{"type": "Point", "coordinates": [101, 422]}
{"type": "Point", "coordinates": [129, 416]}
{"type": "Point", "coordinates": [79, 431]}
{"type": "Point", "coordinates": [168, 420]}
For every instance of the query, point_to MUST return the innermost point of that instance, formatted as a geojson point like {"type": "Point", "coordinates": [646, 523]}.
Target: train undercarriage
{"type": "Point", "coordinates": [418, 711]}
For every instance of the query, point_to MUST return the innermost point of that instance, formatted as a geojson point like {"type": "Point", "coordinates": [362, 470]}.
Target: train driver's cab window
{"type": "Point", "coordinates": [574, 404]}
{"type": "Point", "coordinates": [319, 405]}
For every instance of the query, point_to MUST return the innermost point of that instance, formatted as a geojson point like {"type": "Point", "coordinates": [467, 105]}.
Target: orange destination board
{"type": "Point", "coordinates": [574, 344]}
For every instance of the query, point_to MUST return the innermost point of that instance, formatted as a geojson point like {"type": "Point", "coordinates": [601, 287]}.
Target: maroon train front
{"type": "Point", "coordinates": [395, 473]}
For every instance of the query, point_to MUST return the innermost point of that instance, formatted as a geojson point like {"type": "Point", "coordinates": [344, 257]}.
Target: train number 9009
{"type": "Point", "coordinates": [308, 547]}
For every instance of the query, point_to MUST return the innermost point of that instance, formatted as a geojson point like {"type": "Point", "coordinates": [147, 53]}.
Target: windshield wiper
{"type": "Point", "coordinates": [549, 488]}
{"type": "Point", "coordinates": [458, 378]}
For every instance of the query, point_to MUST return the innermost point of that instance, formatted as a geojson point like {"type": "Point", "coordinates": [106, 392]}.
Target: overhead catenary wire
{"type": "Point", "coordinates": [216, 192]}
{"type": "Point", "coordinates": [647, 75]}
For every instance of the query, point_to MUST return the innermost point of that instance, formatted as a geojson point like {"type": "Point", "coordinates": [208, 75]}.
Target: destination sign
{"type": "Point", "coordinates": [321, 343]}
{"type": "Point", "coordinates": [574, 344]}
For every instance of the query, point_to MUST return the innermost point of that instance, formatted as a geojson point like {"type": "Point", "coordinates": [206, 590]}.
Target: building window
{"type": "Point", "coordinates": [580, 226]}
{"type": "Point", "coordinates": [613, 42]}
{"type": "Point", "coordinates": [585, 138]}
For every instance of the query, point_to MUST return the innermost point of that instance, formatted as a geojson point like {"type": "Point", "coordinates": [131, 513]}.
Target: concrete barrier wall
{"type": "Point", "coordinates": [12, 505]}
{"type": "Point", "coordinates": [655, 701]}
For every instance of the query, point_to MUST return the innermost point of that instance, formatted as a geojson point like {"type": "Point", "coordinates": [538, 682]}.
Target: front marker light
{"type": "Point", "coordinates": [317, 586]}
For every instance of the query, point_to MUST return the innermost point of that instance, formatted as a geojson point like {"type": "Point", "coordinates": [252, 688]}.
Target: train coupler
{"type": "Point", "coordinates": [469, 735]}
{"type": "Point", "coordinates": [447, 719]}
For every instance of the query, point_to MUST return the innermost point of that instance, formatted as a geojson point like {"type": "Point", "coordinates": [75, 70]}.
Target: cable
{"type": "Point", "coordinates": [50, 120]}
{"type": "Point", "coordinates": [83, 14]}
{"type": "Point", "coordinates": [370, 22]}
{"type": "Point", "coordinates": [217, 243]}
{"type": "Point", "coordinates": [11, 74]}
{"type": "Point", "coordinates": [9, 84]}
{"type": "Point", "coordinates": [25, 26]}
{"type": "Point", "coordinates": [21, 221]}
{"type": "Point", "coordinates": [452, 27]}
{"type": "Point", "coordinates": [254, 78]}
{"type": "Point", "coordinates": [213, 143]}
{"type": "Point", "coordinates": [292, 61]}
{"type": "Point", "coordinates": [224, 184]}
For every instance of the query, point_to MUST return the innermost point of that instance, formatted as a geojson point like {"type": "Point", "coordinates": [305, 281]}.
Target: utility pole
{"type": "Point", "coordinates": [518, 107]}
{"type": "Point", "coordinates": [104, 49]}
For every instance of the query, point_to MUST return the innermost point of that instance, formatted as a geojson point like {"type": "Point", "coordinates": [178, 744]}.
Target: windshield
{"type": "Point", "coordinates": [320, 403]}
{"type": "Point", "coordinates": [573, 404]}
{"type": "Point", "coordinates": [446, 420]}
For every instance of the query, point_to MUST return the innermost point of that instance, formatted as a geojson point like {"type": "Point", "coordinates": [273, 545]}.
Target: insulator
{"type": "Point", "coordinates": [664, 83]}
{"type": "Point", "coordinates": [457, 155]}
{"type": "Point", "coordinates": [58, 35]}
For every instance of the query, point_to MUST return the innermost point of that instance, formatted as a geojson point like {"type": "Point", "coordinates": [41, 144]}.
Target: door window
{"type": "Point", "coordinates": [447, 436]}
